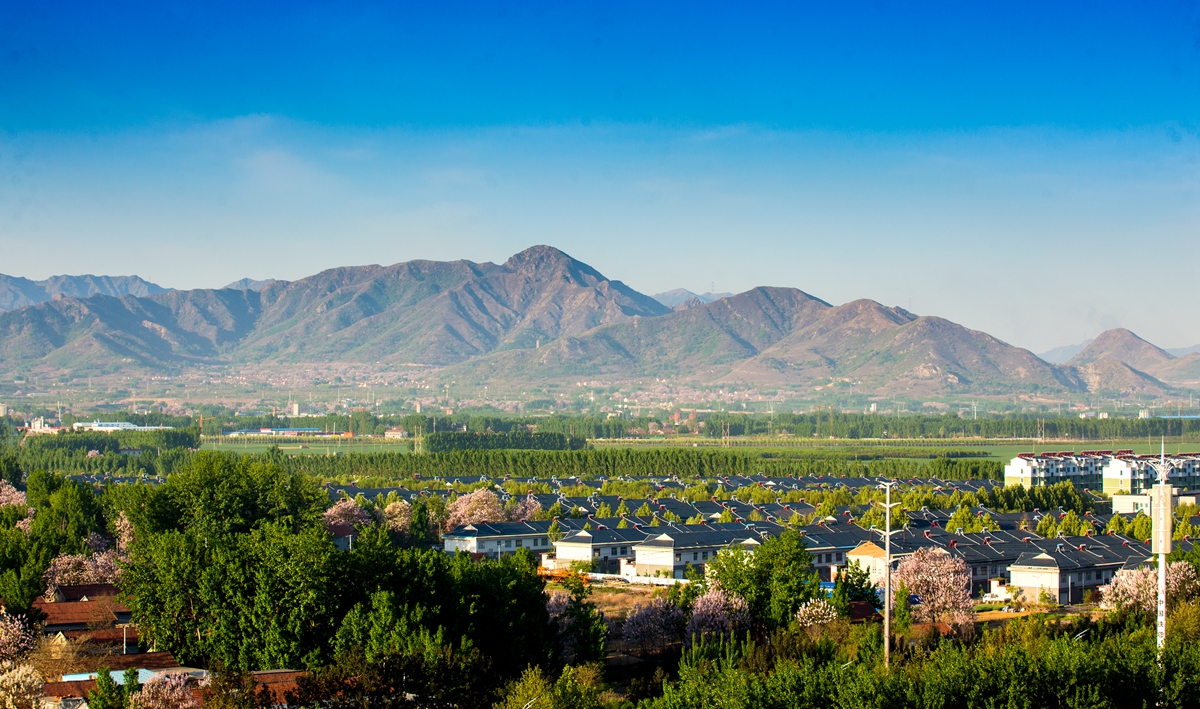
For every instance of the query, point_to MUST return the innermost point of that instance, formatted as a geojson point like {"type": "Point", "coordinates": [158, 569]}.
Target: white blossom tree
{"type": "Point", "coordinates": [1137, 589]}
{"type": "Point", "coordinates": [16, 638]}
{"type": "Point", "coordinates": [816, 611]}
{"type": "Point", "coordinates": [398, 516]}
{"type": "Point", "coordinates": [20, 686]}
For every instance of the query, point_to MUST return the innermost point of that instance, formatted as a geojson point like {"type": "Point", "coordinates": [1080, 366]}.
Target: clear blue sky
{"type": "Point", "coordinates": [1024, 169]}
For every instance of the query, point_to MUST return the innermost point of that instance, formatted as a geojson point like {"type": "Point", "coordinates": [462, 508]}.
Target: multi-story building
{"type": "Point", "coordinates": [1114, 473]}
{"type": "Point", "coordinates": [1085, 471]}
{"type": "Point", "coordinates": [1135, 474]}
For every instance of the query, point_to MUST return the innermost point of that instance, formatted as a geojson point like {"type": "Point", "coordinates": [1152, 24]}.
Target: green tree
{"type": "Point", "coordinates": [854, 584]}
{"type": "Point", "coordinates": [584, 633]}
{"type": "Point", "coordinates": [107, 694]}
{"type": "Point", "coordinates": [774, 579]}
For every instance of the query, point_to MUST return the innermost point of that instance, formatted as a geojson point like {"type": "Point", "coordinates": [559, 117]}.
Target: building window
{"type": "Point", "coordinates": [695, 556]}
{"type": "Point", "coordinates": [677, 557]}
{"type": "Point", "coordinates": [838, 556]}
{"type": "Point", "coordinates": [508, 543]}
{"type": "Point", "coordinates": [520, 542]}
{"type": "Point", "coordinates": [624, 551]}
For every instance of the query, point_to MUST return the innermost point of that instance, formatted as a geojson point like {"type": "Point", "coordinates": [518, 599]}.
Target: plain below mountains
{"type": "Point", "coordinates": [542, 315]}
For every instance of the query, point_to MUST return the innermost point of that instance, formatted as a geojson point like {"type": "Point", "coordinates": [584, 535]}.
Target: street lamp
{"type": "Point", "coordinates": [887, 571]}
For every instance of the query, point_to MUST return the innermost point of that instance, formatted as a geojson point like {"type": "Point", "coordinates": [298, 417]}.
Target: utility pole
{"type": "Point", "coordinates": [887, 572]}
{"type": "Point", "coordinates": [1161, 538]}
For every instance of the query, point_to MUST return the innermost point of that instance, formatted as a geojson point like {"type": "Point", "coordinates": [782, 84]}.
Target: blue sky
{"type": "Point", "coordinates": [1022, 169]}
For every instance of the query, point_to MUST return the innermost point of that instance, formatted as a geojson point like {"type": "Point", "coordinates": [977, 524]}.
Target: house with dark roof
{"type": "Point", "coordinates": [605, 548]}
{"type": "Point", "coordinates": [669, 553]}
{"type": "Point", "coordinates": [85, 607]}
{"type": "Point", "coordinates": [1064, 573]}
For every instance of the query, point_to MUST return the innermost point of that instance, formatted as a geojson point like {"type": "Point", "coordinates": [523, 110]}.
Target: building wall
{"type": "Point", "coordinates": [1033, 581]}
{"type": "Point", "coordinates": [653, 559]}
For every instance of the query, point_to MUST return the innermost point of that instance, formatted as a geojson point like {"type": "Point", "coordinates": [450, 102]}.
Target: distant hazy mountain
{"type": "Point", "coordinates": [1124, 346]}
{"type": "Point", "coordinates": [1060, 355]}
{"type": "Point", "coordinates": [421, 311]}
{"type": "Point", "coordinates": [251, 284]}
{"type": "Point", "coordinates": [681, 296]}
{"type": "Point", "coordinates": [541, 315]}
{"type": "Point", "coordinates": [782, 336]}
{"type": "Point", "coordinates": [18, 292]}
{"type": "Point", "coordinates": [1181, 351]}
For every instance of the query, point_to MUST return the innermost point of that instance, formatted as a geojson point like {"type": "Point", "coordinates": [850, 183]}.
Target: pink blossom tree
{"type": "Point", "coordinates": [76, 569]}
{"type": "Point", "coordinates": [527, 508]}
{"type": "Point", "coordinates": [348, 512]}
{"type": "Point", "coordinates": [11, 496]}
{"type": "Point", "coordinates": [943, 582]}
{"type": "Point", "coordinates": [479, 506]}
{"type": "Point", "coordinates": [652, 626]}
{"type": "Point", "coordinates": [1137, 589]}
{"type": "Point", "coordinates": [717, 613]}
{"type": "Point", "coordinates": [164, 692]}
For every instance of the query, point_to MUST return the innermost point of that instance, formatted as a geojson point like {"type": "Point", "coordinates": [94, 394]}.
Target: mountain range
{"type": "Point", "coordinates": [17, 292]}
{"type": "Point", "coordinates": [542, 315]}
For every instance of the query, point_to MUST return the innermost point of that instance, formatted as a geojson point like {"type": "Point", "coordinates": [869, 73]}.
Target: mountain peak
{"type": "Point", "coordinates": [1124, 346]}
{"type": "Point", "coordinates": [538, 256]}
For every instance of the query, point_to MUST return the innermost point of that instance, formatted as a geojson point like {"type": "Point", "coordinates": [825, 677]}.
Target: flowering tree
{"type": "Point", "coordinates": [398, 516]}
{"type": "Point", "coordinates": [943, 583]}
{"type": "Point", "coordinates": [717, 613]}
{"type": "Point", "coordinates": [123, 529]}
{"type": "Point", "coordinates": [11, 496]}
{"type": "Point", "coordinates": [20, 686]}
{"type": "Point", "coordinates": [816, 611]}
{"type": "Point", "coordinates": [95, 543]}
{"type": "Point", "coordinates": [527, 508]}
{"type": "Point", "coordinates": [479, 506]}
{"type": "Point", "coordinates": [1137, 589]}
{"type": "Point", "coordinates": [650, 627]}
{"type": "Point", "coordinates": [348, 512]}
{"type": "Point", "coordinates": [556, 604]}
{"type": "Point", "coordinates": [75, 569]}
{"type": "Point", "coordinates": [164, 692]}
{"type": "Point", "coordinates": [16, 639]}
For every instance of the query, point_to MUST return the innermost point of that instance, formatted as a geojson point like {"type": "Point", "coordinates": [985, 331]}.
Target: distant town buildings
{"type": "Point", "coordinates": [1112, 473]}
{"type": "Point", "coordinates": [115, 427]}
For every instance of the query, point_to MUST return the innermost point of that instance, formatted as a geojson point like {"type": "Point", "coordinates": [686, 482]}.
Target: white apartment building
{"type": "Point", "coordinates": [1085, 471]}
{"type": "Point", "coordinates": [1134, 475]}
{"type": "Point", "coordinates": [1113, 473]}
